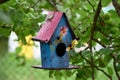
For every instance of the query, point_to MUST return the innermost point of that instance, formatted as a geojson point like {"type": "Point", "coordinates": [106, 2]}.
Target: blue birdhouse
{"type": "Point", "coordinates": [55, 36]}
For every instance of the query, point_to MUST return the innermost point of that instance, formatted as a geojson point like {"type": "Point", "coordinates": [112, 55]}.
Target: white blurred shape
{"type": "Point", "coordinates": [37, 51]}
{"type": "Point", "coordinates": [107, 8]}
{"type": "Point", "coordinates": [12, 44]}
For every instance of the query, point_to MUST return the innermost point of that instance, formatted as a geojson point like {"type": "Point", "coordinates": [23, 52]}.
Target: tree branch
{"type": "Point", "coordinates": [95, 66]}
{"type": "Point", "coordinates": [4, 26]}
{"type": "Point", "coordinates": [103, 72]}
{"type": "Point", "coordinates": [91, 5]}
{"type": "Point", "coordinates": [35, 3]}
{"type": "Point", "coordinates": [114, 46]}
{"type": "Point", "coordinates": [3, 1]}
{"type": "Point", "coordinates": [94, 27]}
{"type": "Point", "coordinates": [114, 65]}
{"type": "Point", "coordinates": [53, 3]}
{"type": "Point", "coordinates": [84, 57]}
{"type": "Point", "coordinates": [117, 6]}
{"type": "Point", "coordinates": [99, 42]}
{"type": "Point", "coordinates": [107, 36]}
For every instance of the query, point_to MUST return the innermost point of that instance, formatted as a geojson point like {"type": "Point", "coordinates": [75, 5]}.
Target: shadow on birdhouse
{"type": "Point", "coordinates": [55, 37]}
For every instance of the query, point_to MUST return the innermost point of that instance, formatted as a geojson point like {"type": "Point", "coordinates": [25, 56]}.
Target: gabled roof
{"type": "Point", "coordinates": [49, 27]}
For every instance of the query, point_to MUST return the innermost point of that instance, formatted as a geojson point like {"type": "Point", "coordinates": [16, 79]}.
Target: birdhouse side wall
{"type": "Point", "coordinates": [45, 55]}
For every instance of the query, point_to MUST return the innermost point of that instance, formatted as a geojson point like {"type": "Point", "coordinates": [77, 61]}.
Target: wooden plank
{"type": "Point", "coordinates": [63, 61]}
{"type": "Point", "coordinates": [45, 55]}
{"type": "Point", "coordinates": [66, 68]}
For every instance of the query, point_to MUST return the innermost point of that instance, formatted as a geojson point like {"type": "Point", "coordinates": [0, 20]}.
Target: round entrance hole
{"type": "Point", "coordinates": [61, 49]}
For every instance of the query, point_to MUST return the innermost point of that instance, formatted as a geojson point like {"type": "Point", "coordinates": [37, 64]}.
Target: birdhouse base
{"type": "Point", "coordinates": [67, 68]}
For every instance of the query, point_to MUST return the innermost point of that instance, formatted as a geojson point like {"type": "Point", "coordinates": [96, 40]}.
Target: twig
{"type": "Point", "coordinates": [53, 4]}
{"type": "Point", "coordinates": [94, 27]}
{"type": "Point", "coordinates": [95, 66]}
{"type": "Point", "coordinates": [99, 42]}
{"type": "Point", "coordinates": [3, 1]}
{"type": "Point", "coordinates": [114, 65]}
{"type": "Point", "coordinates": [104, 34]}
{"type": "Point", "coordinates": [91, 5]}
{"type": "Point", "coordinates": [114, 46]}
{"type": "Point", "coordinates": [92, 66]}
{"type": "Point", "coordinates": [103, 72]}
{"type": "Point", "coordinates": [84, 58]}
{"type": "Point", "coordinates": [36, 3]}
{"type": "Point", "coordinates": [32, 6]}
{"type": "Point", "coordinates": [110, 37]}
{"type": "Point", "coordinates": [117, 6]}
{"type": "Point", "coordinates": [4, 26]}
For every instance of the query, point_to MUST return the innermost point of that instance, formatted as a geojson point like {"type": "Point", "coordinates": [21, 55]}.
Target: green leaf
{"type": "Point", "coordinates": [118, 67]}
{"type": "Point", "coordinates": [18, 49]}
{"type": "Point", "coordinates": [83, 74]}
{"type": "Point", "coordinates": [110, 70]}
{"type": "Point", "coordinates": [101, 63]}
{"type": "Point", "coordinates": [51, 73]}
{"type": "Point", "coordinates": [87, 54]}
{"type": "Point", "coordinates": [4, 17]}
{"type": "Point", "coordinates": [68, 73]}
{"type": "Point", "coordinates": [58, 75]}
{"type": "Point", "coordinates": [5, 31]}
{"type": "Point", "coordinates": [105, 2]}
{"type": "Point", "coordinates": [107, 59]}
{"type": "Point", "coordinates": [118, 58]}
{"type": "Point", "coordinates": [105, 51]}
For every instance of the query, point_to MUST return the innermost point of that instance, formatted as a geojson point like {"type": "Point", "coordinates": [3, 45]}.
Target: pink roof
{"type": "Point", "coordinates": [49, 26]}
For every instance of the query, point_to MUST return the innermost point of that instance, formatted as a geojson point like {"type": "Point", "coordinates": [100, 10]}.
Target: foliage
{"type": "Point", "coordinates": [89, 23]}
{"type": "Point", "coordinates": [10, 70]}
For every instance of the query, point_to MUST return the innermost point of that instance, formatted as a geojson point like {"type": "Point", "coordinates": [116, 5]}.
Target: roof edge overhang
{"type": "Point", "coordinates": [36, 39]}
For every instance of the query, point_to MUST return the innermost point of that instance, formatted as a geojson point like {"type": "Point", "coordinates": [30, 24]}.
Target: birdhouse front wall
{"type": "Point", "coordinates": [67, 36]}
{"type": "Point", "coordinates": [61, 38]}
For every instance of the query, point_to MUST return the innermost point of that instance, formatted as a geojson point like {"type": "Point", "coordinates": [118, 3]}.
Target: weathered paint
{"type": "Point", "coordinates": [48, 35]}
{"type": "Point", "coordinates": [48, 51]}
{"type": "Point", "coordinates": [49, 27]}
{"type": "Point", "coordinates": [60, 62]}
{"type": "Point", "coordinates": [45, 55]}
{"type": "Point", "coordinates": [68, 36]}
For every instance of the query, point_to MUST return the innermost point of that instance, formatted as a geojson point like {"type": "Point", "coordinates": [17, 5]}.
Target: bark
{"type": "Point", "coordinates": [3, 1]}
{"type": "Point", "coordinates": [116, 6]}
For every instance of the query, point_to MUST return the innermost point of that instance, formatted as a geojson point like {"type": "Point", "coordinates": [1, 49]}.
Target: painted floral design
{"type": "Point", "coordinates": [63, 31]}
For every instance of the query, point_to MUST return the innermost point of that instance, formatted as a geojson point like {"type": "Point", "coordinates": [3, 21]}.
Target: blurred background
{"type": "Point", "coordinates": [21, 19]}
{"type": "Point", "coordinates": [14, 67]}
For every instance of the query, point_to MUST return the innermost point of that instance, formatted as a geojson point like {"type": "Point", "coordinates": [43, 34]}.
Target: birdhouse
{"type": "Point", "coordinates": [55, 37]}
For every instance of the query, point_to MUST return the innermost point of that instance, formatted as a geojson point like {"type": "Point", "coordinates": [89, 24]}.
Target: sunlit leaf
{"type": "Point", "coordinates": [4, 17]}
{"type": "Point", "coordinates": [105, 51]}
{"type": "Point", "coordinates": [110, 70]}
{"type": "Point", "coordinates": [105, 2]}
